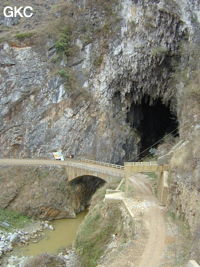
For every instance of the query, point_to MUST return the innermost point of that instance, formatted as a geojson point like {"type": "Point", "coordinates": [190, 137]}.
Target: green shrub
{"type": "Point", "coordinates": [23, 36]}
{"type": "Point", "coordinates": [159, 51]}
{"type": "Point", "coordinates": [63, 44]}
{"type": "Point", "coordinates": [63, 74]}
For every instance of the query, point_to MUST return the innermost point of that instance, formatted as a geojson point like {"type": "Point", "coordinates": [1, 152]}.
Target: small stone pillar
{"type": "Point", "coordinates": [163, 187]}
{"type": "Point", "coordinates": [193, 263]}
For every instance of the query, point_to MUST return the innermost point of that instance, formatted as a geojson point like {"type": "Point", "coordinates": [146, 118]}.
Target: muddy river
{"type": "Point", "coordinates": [55, 241]}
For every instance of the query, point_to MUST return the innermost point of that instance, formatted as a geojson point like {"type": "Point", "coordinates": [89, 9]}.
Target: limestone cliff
{"type": "Point", "coordinates": [86, 100]}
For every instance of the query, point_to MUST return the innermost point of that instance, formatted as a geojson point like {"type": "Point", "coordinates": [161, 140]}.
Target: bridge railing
{"type": "Point", "coordinates": [142, 163]}
{"type": "Point", "coordinates": [102, 163]}
{"type": "Point", "coordinates": [97, 170]}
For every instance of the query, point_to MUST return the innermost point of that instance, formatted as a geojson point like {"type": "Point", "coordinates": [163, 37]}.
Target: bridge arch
{"type": "Point", "coordinates": [86, 178]}
{"type": "Point", "coordinates": [74, 172]}
{"type": "Point", "coordinates": [85, 186]}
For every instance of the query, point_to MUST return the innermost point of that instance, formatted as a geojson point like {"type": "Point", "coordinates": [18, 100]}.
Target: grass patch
{"type": "Point", "coordinates": [130, 190]}
{"type": "Point", "coordinates": [68, 78]}
{"type": "Point", "coordinates": [63, 74]}
{"type": "Point", "coordinates": [159, 51]}
{"type": "Point", "coordinates": [14, 219]}
{"type": "Point", "coordinates": [23, 36]}
{"type": "Point", "coordinates": [172, 215]}
{"type": "Point", "coordinates": [95, 233]}
{"type": "Point", "coordinates": [100, 193]}
{"type": "Point", "coordinates": [154, 181]}
{"type": "Point", "coordinates": [98, 61]}
{"type": "Point", "coordinates": [152, 175]}
{"type": "Point", "coordinates": [122, 187]}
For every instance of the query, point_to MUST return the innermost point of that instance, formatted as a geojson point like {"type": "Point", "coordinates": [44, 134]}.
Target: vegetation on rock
{"type": "Point", "coordinates": [63, 44]}
{"type": "Point", "coordinates": [98, 228]}
{"type": "Point", "coordinates": [13, 219]}
{"type": "Point", "coordinates": [23, 36]}
{"type": "Point", "coordinates": [45, 260]}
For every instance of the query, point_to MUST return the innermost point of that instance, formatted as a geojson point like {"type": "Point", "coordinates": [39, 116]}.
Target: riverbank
{"type": "Point", "coordinates": [40, 240]}
{"type": "Point", "coordinates": [56, 241]}
{"type": "Point", "coordinates": [13, 238]}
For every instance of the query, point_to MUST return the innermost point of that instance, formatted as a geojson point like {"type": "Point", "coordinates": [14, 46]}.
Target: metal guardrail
{"type": "Point", "coordinates": [102, 163]}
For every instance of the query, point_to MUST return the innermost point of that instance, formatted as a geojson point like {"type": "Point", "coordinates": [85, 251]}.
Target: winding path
{"type": "Point", "coordinates": [153, 218]}
{"type": "Point", "coordinates": [147, 250]}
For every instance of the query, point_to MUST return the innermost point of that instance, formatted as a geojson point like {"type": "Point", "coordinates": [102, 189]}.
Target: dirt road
{"type": "Point", "coordinates": [148, 245]}
{"type": "Point", "coordinates": [153, 219]}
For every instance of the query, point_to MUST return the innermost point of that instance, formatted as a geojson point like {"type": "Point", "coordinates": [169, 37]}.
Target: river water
{"type": "Point", "coordinates": [54, 241]}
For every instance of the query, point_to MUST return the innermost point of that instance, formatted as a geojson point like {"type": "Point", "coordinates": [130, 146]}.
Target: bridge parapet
{"type": "Point", "coordinates": [101, 163]}
{"type": "Point", "coordinates": [149, 166]}
{"type": "Point", "coordinates": [75, 170]}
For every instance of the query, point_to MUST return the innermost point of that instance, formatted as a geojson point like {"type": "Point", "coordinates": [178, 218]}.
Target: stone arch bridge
{"type": "Point", "coordinates": [76, 168]}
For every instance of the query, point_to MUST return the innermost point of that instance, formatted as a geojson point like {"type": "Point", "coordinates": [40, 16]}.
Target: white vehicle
{"type": "Point", "coordinates": [58, 156]}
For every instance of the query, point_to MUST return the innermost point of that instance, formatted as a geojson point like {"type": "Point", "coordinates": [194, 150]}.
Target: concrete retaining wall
{"type": "Point", "coordinates": [193, 263]}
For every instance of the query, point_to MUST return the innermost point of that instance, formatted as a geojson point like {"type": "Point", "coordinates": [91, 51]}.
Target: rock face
{"type": "Point", "coordinates": [44, 192]}
{"type": "Point", "coordinates": [111, 73]}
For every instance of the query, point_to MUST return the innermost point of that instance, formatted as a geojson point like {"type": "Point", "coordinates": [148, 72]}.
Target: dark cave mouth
{"type": "Point", "coordinates": [153, 121]}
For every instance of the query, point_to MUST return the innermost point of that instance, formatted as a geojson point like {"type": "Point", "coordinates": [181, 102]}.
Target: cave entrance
{"type": "Point", "coordinates": [153, 120]}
